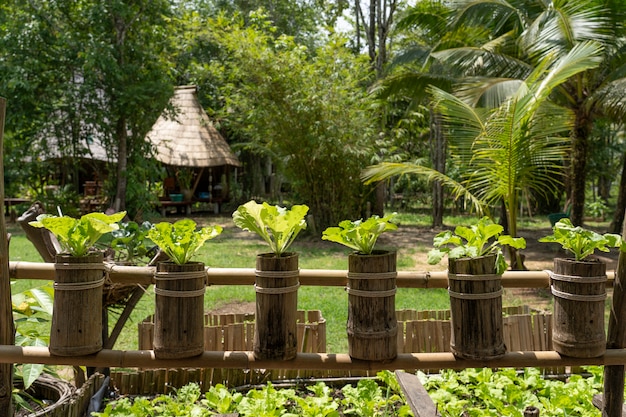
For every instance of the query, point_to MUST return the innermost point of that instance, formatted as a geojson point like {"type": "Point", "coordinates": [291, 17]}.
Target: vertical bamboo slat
{"type": "Point", "coordinates": [7, 330]}
{"type": "Point", "coordinates": [276, 287]}
{"type": "Point", "coordinates": [476, 308]}
{"type": "Point", "coordinates": [579, 290]}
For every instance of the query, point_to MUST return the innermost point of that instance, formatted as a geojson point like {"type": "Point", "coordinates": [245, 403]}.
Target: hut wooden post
{"type": "Point", "coordinates": [7, 330]}
{"type": "Point", "coordinates": [616, 338]}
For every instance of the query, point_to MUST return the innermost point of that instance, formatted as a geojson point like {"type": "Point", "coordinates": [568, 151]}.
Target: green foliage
{"type": "Point", "coordinates": [32, 313]}
{"type": "Point", "coordinates": [320, 404]}
{"type": "Point", "coordinates": [365, 399]}
{"type": "Point", "coordinates": [180, 241]}
{"type": "Point", "coordinates": [131, 243]}
{"type": "Point", "coordinates": [277, 225]}
{"type": "Point", "coordinates": [77, 236]}
{"type": "Point", "coordinates": [484, 392]}
{"type": "Point", "coordinates": [221, 399]}
{"type": "Point", "coordinates": [480, 239]}
{"type": "Point", "coordinates": [308, 110]}
{"type": "Point", "coordinates": [582, 242]}
{"type": "Point", "coordinates": [360, 235]}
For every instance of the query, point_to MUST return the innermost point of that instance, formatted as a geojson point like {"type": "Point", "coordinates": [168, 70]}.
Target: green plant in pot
{"type": "Point", "coordinates": [578, 285]}
{"type": "Point", "coordinates": [475, 267]}
{"type": "Point", "coordinates": [79, 277]}
{"type": "Point", "coordinates": [277, 273]}
{"type": "Point", "coordinates": [372, 327]}
{"type": "Point", "coordinates": [179, 289]}
{"type": "Point", "coordinates": [131, 244]}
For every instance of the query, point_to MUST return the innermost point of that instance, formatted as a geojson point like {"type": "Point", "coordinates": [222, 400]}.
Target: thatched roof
{"type": "Point", "coordinates": [188, 138]}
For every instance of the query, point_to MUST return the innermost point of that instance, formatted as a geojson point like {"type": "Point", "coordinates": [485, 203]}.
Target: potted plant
{"type": "Point", "coordinates": [276, 282]}
{"type": "Point", "coordinates": [131, 245]}
{"type": "Point", "coordinates": [475, 267]}
{"type": "Point", "coordinates": [79, 276]}
{"type": "Point", "coordinates": [179, 289]}
{"type": "Point", "coordinates": [185, 177]}
{"type": "Point", "coordinates": [372, 327]}
{"type": "Point", "coordinates": [578, 285]}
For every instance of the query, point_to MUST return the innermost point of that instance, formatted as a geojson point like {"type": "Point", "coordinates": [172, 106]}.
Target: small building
{"type": "Point", "coordinates": [198, 159]}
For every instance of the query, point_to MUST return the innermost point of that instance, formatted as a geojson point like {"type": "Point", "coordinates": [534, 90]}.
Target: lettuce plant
{"type": "Point", "coordinates": [77, 236]}
{"type": "Point", "coordinates": [360, 235]}
{"type": "Point", "coordinates": [581, 242]}
{"type": "Point", "coordinates": [277, 225]}
{"type": "Point", "coordinates": [180, 241]}
{"type": "Point", "coordinates": [481, 239]}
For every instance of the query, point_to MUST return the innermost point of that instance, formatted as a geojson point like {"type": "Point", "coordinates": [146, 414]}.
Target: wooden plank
{"type": "Point", "coordinates": [616, 338]}
{"type": "Point", "coordinates": [598, 402]}
{"type": "Point", "coordinates": [7, 328]}
{"type": "Point", "coordinates": [416, 395]}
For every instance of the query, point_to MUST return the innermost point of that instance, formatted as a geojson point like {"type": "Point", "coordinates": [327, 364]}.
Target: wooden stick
{"type": "Point", "coordinates": [315, 277]}
{"type": "Point", "coordinates": [7, 328]}
{"type": "Point", "coordinates": [313, 361]}
{"type": "Point", "coordinates": [614, 375]}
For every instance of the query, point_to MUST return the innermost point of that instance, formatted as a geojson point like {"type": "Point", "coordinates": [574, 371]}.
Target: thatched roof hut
{"type": "Point", "coordinates": [188, 138]}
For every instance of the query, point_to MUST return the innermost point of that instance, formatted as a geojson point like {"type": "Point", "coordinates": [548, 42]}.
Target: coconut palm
{"type": "Point", "coordinates": [524, 33]}
{"type": "Point", "coordinates": [510, 149]}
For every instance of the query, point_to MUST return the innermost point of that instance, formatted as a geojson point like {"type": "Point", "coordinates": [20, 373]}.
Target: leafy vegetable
{"type": "Point", "coordinates": [277, 225]}
{"type": "Point", "coordinates": [180, 241]}
{"type": "Point", "coordinates": [483, 238]}
{"type": "Point", "coordinates": [360, 235]}
{"type": "Point", "coordinates": [130, 242]}
{"type": "Point", "coordinates": [507, 392]}
{"type": "Point", "coordinates": [77, 236]}
{"type": "Point", "coordinates": [581, 242]}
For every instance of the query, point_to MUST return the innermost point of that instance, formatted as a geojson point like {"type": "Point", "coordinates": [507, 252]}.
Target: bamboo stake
{"type": "Point", "coordinates": [313, 361]}
{"type": "Point", "coordinates": [7, 329]}
{"type": "Point", "coordinates": [144, 275]}
{"type": "Point", "coordinates": [613, 399]}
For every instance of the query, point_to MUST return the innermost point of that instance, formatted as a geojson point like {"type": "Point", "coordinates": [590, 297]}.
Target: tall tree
{"type": "Point", "coordinates": [525, 33]}
{"type": "Point", "coordinates": [126, 70]}
{"type": "Point", "coordinates": [308, 110]}
{"type": "Point", "coordinates": [510, 149]}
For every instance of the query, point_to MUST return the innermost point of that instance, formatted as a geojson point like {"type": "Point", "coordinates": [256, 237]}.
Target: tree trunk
{"type": "Point", "coordinates": [618, 217]}
{"type": "Point", "coordinates": [580, 145]}
{"type": "Point", "coordinates": [438, 157]}
{"type": "Point", "coordinates": [7, 330]}
{"type": "Point", "coordinates": [122, 160]}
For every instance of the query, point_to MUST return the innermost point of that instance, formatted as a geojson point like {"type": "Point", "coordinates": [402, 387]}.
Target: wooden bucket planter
{"type": "Point", "coordinates": [579, 290]}
{"type": "Point", "coordinates": [179, 310]}
{"type": "Point", "coordinates": [372, 326]}
{"type": "Point", "coordinates": [77, 316]}
{"type": "Point", "coordinates": [276, 285]}
{"type": "Point", "coordinates": [475, 308]}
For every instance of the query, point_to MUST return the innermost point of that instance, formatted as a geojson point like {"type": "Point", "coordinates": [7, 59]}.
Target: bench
{"type": "Point", "coordinates": [165, 204]}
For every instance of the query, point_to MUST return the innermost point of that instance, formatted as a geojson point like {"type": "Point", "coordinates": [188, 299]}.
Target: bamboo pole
{"type": "Point", "coordinates": [144, 275]}
{"type": "Point", "coordinates": [312, 361]}
{"type": "Point", "coordinates": [613, 398]}
{"type": "Point", "coordinates": [7, 329]}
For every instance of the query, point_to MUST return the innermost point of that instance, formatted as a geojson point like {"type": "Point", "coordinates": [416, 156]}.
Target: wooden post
{"type": "Point", "coordinates": [7, 330]}
{"type": "Point", "coordinates": [531, 411]}
{"type": "Point", "coordinates": [614, 375]}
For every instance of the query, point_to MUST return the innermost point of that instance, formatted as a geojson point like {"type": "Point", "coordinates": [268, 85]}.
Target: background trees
{"type": "Point", "coordinates": [308, 111]}
{"type": "Point", "coordinates": [304, 111]}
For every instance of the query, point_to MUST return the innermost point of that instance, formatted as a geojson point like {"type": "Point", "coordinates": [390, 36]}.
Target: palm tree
{"type": "Point", "coordinates": [525, 33]}
{"type": "Point", "coordinates": [511, 149]}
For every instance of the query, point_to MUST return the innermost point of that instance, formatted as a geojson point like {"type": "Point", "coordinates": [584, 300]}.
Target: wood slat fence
{"type": "Point", "coordinates": [525, 329]}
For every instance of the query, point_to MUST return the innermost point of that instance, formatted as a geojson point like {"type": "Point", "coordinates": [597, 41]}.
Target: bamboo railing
{"type": "Point", "coordinates": [321, 361]}
{"type": "Point", "coordinates": [313, 277]}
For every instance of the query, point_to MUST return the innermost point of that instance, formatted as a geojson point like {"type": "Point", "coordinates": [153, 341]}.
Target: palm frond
{"type": "Point", "coordinates": [386, 170]}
